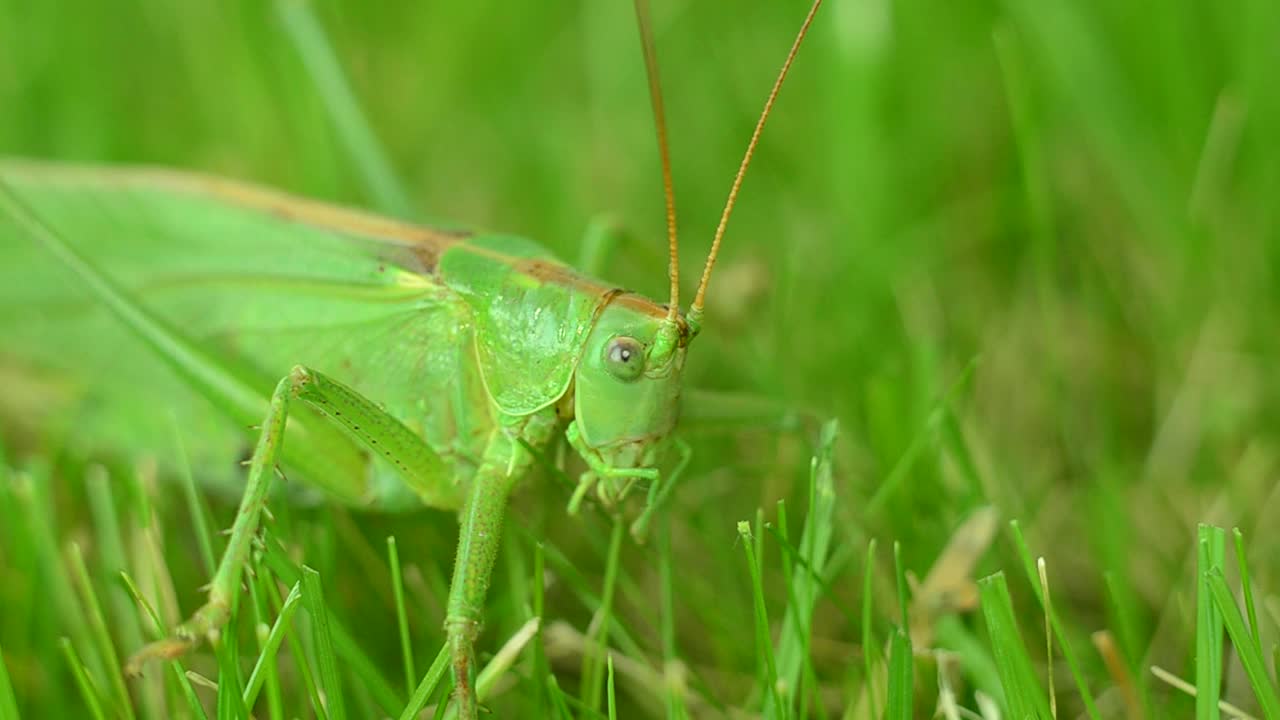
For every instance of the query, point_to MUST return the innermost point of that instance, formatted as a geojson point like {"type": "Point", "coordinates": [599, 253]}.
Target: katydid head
{"type": "Point", "coordinates": [627, 389]}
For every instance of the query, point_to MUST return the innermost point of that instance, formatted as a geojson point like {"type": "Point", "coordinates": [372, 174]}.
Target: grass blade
{"type": "Point", "coordinates": [667, 618]}
{"type": "Point", "coordinates": [613, 703]}
{"type": "Point", "coordinates": [83, 681]}
{"type": "Point", "coordinates": [36, 506]}
{"type": "Point", "coordinates": [402, 616]}
{"type": "Point", "coordinates": [558, 699]}
{"type": "Point", "coordinates": [764, 647]}
{"type": "Point", "coordinates": [506, 656]}
{"type": "Point", "coordinates": [805, 581]}
{"type": "Point", "coordinates": [567, 572]}
{"type": "Point", "coordinates": [541, 667]}
{"type": "Point", "coordinates": [901, 677]}
{"type": "Point", "coordinates": [272, 645]}
{"type": "Point", "coordinates": [111, 557]}
{"type": "Point", "coordinates": [195, 505]}
{"type": "Point", "coordinates": [330, 681]}
{"type": "Point", "coordinates": [1064, 643]}
{"type": "Point", "coordinates": [1211, 555]}
{"type": "Point", "coordinates": [353, 658]}
{"type": "Point", "coordinates": [868, 637]}
{"type": "Point", "coordinates": [262, 591]}
{"type": "Point", "coordinates": [594, 659]}
{"type": "Point", "coordinates": [98, 629]}
{"type": "Point", "coordinates": [1249, 651]}
{"type": "Point", "coordinates": [161, 630]}
{"type": "Point", "coordinates": [428, 685]}
{"type": "Point", "coordinates": [1246, 587]}
{"type": "Point", "coordinates": [1023, 694]}
{"type": "Point", "coordinates": [231, 705]}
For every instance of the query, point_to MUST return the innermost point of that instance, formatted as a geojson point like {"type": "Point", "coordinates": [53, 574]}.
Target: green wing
{"type": "Point", "coordinates": [258, 282]}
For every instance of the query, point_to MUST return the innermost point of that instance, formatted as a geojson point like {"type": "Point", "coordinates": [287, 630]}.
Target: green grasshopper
{"type": "Point", "coordinates": [431, 365]}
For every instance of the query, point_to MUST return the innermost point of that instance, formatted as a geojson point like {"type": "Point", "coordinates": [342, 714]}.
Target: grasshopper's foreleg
{"type": "Point", "coordinates": [381, 433]}
{"type": "Point", "coordinates": [598, 468]}
{"type": "Point", "coordinates": [479, 535]}
{"type": "Point", "coordinates": [660, 485]}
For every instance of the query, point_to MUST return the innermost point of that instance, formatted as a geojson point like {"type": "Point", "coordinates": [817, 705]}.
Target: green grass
{"type": "Point", "coordinates": [1026, 252]}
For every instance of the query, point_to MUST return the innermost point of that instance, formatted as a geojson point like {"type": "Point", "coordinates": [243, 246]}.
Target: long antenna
{"type": "Point", "coordinates": [696, 310]}
{"type": "Point", "coordinates": [660, 122]}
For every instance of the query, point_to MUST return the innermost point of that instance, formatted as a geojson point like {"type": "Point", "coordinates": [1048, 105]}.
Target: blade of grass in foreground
{"type": "Point", "coordinates": [769, 669]}
{"type": "Point", "coordinates": [428, 684]}
{"type": "Point", "coordinates": [901, 660]}
{"type": "Point", "coordinates": [1023, 694]}
{"type": "Point", "coordinates": [354, 659]}
{"type": "Point", "coordinates": [230, 700]}
{"type": "Point", "coordinates": [593, 661]}
{"type": "Point", "coordinates": [868, 637]}
{"type": "Point", "coordinates": [541, 667]}
{"type": "Point", "coordinates": [670, 654]}
{"type": "Point", "coordinates": [1249, 651]}
{"type": "Point", "coordinates": [506, 656]}
{"type": "Point", "coordinates": [1211, 553]}
{"type": "Point", "coordinates": [901, 676]}
{"type": "Point", "coordinates": [195, 505]}
{"type": "Point", "coordinates": [313, 596]}
{"type": "Point", "coordinates": [98, 628]}
{"type": "Point", "coordinates": [267, 666]}
{"type": "Point", "coordinates": [613, 704]}
{"type": "Point", "coordinates": [178, 671]}
{"type": "Point", "coordinates": [176, 667]}
{"type": "Point", "coordinates": [402, 616]}
{"type": "Point", "coordinates": [111, 556]}
{"type": "Point", "coordinates": [558, 699]}
{"type": "Point", "coordinates": [272, 645]}
{"type": "Point", "coordinates": [1064, 644]}
{"type": "Point", "coordinates": [569, 574]}
{"type": "Point", "coordinates": [36, 506]}
{"type": "Point", "coordinates": [486, 681]}
{"type": "Point", "coordinates": [83, 681]}
{"type": "Point", "coordinates": [1246, 587]}
{"type": "Point", "coordinates": [805, 579]}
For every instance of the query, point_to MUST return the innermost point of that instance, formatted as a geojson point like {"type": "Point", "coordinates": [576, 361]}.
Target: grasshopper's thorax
{"type": "Point", "coordinates": [627, 383]}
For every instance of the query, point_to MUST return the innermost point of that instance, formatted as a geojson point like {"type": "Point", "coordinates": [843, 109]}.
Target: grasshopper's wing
{"type": "Point", "coordinates": [259, 280]}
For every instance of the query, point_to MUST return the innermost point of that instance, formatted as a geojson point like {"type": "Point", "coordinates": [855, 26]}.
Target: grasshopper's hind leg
{"type": "Point", "coordinates": [210, 618]}
{"type": "Point", "coordinates": [380, 433]}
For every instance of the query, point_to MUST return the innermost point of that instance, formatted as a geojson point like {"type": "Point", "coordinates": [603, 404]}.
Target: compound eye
{"type": "Point", "coordinates": [624, 358]}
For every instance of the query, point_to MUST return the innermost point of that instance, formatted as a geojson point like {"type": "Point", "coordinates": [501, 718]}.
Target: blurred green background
{"type": "Point", "coordinates": [1076, 198]}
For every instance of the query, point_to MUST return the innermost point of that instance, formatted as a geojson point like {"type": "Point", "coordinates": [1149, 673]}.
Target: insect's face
{"type": "Point", "coordinates": [626, 395]}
